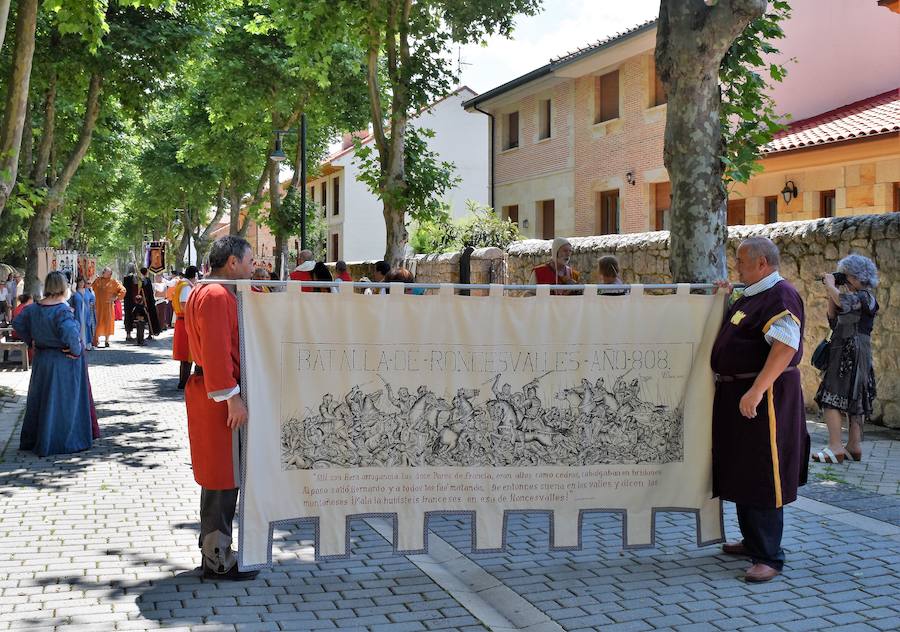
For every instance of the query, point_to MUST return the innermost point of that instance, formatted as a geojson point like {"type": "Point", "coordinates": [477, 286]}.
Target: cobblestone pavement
{"type": "Point", "coordinates": [106, 540]}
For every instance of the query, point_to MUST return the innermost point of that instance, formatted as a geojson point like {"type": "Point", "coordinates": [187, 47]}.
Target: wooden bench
{"type": "Point", "coordinates": [15, 345]}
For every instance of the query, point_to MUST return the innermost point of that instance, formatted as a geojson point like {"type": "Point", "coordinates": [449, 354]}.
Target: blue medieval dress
{"type": "Point", "coordinates": [58, 410]}
{"type": "Point", "coordinates": [91, 309]}
{"type": "Point", "coordinates": [82, 309]}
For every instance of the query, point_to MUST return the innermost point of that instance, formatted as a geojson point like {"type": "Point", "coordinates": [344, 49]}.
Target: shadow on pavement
{"type": "Point", "coordinates": [134, 443]}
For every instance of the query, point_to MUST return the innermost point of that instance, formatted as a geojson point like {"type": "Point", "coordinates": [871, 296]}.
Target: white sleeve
{"type": "Point", "coordinates": [785, 330]}
{"type": "Point", "coordinates": [185, 292]}
{"type": "Point", "coordinates": [221, 396]}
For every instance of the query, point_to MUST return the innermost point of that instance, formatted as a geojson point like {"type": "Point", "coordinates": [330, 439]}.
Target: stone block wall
{"type": "Point", "coordinates": [808, 248]}
{"type": "Point", "coordinates": [487, 265]}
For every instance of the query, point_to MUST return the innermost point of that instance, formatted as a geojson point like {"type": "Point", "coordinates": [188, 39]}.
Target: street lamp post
{"type": "Point", "coordinates": [279, 156]}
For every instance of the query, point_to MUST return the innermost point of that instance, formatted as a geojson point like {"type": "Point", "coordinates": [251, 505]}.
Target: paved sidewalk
{"type": "Point", "coordinates": [106, 540]}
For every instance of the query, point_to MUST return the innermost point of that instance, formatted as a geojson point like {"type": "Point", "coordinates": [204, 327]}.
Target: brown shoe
{"type": "Point", "coordinates": [734, 548]}
{"type": "Point", "coordinates": [759, 573]}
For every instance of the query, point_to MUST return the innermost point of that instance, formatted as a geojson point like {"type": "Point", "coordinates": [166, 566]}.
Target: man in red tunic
{"type": "Point", "coordinates": [759, 439]}
{"type": "Point", "coordinates": [303, 272]}
{"type": "Point", "coordinates": [215, 409]}
{"type": "Point", "coordinates": [557, 271]}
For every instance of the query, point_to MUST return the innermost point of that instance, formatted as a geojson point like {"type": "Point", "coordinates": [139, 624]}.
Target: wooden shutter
{"type": "Point", "coordinates": [737, 212]}
{"type": "Point", "coordinates": [548, 217]}
{"type": "Point", "coordinates": [606, 97]}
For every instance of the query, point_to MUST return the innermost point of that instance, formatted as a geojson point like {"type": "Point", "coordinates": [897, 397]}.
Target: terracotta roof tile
{"type": "Point", "coordinates": [870, 117]}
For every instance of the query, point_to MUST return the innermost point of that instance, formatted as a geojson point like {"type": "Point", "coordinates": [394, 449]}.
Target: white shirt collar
{"type": "Point", "coordinates": [763, 284]}
{"type": "Point", "coordinates": [306, 266]}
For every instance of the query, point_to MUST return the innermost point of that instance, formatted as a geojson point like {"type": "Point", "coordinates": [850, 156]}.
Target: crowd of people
{"type": "Point", "coordinates": [757, 463]}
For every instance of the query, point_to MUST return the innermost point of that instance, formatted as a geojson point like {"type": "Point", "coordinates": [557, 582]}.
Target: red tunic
{"type": "Point", "coordinates": [759, 461]}
{"type": "Point", "coordinates": [211, 322]}
{"type": "Point", "coordinates": [546, 275]}
{"type": "Point", "coordinates": [302, 275]}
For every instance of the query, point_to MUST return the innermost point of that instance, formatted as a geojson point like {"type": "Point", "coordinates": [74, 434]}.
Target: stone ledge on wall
{"type": "Point", "coordinates": [808, 250]}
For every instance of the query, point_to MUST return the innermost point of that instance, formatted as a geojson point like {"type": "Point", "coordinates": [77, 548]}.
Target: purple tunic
{"type": "Point", "coordinates": [760, 461]}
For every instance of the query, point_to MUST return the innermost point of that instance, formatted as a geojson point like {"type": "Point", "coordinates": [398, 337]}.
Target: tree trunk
{"type": "Point", "coordinates": [691, 41]}
{"type": "Point", "coordinates": [39, 230]}
{"type": "Point", "coordinates": [4, 15]}
{"type": "Point", "coordinates": [39, 171]}
{"type": "Point", "coordinates": [203, 240]}
{"type": "Point", "coordinates": [234, 202]}
{"type": "Point", "coordinates": [281, 242]}
{"type": "Point", "coordinates": [26, 156]}
{"type": "Point", "coordinates": [38, 237]}
{"type": "Point", "coordinates": [281, 239]}
{"type": "Point", "coordinates": [17, 98]}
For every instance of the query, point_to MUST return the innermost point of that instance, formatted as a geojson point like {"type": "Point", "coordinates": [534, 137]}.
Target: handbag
{"type": "Point", "coordinates": [820, 356]}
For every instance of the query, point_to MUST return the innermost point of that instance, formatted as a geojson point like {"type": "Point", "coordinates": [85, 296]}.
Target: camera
{"type": "Point", "coordinates": [840, 278]}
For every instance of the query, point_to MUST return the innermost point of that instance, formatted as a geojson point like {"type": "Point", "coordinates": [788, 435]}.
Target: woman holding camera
{"type": "Point", "coordinates": [848, 382]}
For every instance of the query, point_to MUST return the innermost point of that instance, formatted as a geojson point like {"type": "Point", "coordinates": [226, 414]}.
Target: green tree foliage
{"type": "Point", "coordinates": [407, 67]}
{"type": "Point", "coordinates": [749, 119]}
{"type": "Point", "coordinates": [428, 179]}
{"type": "Point", "coordinates": [481, 228]}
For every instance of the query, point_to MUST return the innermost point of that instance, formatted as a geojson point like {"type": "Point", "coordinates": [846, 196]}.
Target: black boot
{"type": "Point", "coordinates": [184, 372]}
{"type": "Point", "coordinates": [231, 575]}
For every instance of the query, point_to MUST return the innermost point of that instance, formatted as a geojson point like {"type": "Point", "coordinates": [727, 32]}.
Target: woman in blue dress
{"type": "Point", "coordinates": [91, 309]}
{"type": "Point", "coordinates": [82, 308]}
{"type": "Point", "coordinates": [58, 410]}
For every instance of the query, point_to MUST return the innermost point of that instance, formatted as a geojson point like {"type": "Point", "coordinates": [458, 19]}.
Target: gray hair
{"type": "Point", "coordinates": [227, 246]}
{"type": "Point", "coordinates": [56, 284]}
{"type": "Point", "coordinates": [762, 247]}
{"type": "Point", "coordinates": [861, 267]}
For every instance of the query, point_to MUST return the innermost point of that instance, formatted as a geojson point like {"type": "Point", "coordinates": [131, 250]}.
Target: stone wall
{"type": "Point", "coordinates": [809, 249]}
{"type": "Point", "coordinates": [487, 265]}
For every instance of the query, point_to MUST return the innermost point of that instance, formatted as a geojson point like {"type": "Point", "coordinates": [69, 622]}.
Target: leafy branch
{"type": "Point", "coordinates": [749, 119]}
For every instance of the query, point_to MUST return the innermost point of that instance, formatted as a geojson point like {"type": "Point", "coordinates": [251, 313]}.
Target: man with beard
{"type": "Point", "coordinates": [215, 409]}
{"type": "Point", "coordinates": [557, 271]}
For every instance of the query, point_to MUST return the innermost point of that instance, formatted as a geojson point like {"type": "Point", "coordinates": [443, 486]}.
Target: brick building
{"type": "Point", "coordinates": [577, 145]}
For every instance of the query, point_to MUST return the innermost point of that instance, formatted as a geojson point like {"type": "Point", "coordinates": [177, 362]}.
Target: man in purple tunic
{"type": "Point", "coordinates": [759, 438]}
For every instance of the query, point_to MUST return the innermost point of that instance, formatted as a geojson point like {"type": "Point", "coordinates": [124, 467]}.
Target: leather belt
{"type": "Point", "coordinates": [747, 376]}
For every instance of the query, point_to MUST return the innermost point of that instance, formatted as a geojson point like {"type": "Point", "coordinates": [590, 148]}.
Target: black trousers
{"type": "Point", "coordinates": [762, 528]}
{"type": "Point", "coordinates": [217, 507]}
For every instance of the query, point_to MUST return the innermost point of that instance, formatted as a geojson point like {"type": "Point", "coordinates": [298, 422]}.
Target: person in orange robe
{"type": "Point", "coordinates": [107, 290]}
{"type": "Point", "coordinates": [557, 271]}
{"type": "Point", "coordinates": [215, 409]}
{"type": "Point", "coordinates": [180, 349]}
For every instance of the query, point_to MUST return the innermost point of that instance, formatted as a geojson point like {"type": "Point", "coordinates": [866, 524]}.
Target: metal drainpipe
{"type": "Point", "coordinates": [491, 187]}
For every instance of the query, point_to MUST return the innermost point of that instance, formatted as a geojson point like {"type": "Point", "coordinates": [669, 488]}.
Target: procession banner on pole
{"type": "Point", "coordinates": [404, 406]}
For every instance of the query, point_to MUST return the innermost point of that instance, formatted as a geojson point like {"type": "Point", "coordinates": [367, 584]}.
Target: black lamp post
{"type": "Point", "coordinates": [279, 156]}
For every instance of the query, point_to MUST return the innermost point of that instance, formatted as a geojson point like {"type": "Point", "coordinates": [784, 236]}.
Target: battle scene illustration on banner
{"type": "Point", "coordinates": [402, 405]}
{"type": "Point", "coordinates": [605, 417]}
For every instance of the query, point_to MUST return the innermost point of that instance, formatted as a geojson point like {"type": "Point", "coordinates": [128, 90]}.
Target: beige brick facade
{"type": "Point", "coordinates": [586, 167]}
{"type": "Point", "coordinates": [605, 153]}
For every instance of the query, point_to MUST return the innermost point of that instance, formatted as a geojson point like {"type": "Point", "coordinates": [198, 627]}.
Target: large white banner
{"type": "Point", "coordinates": [405, 405]}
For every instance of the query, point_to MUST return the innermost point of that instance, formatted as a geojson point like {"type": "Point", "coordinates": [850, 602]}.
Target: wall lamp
{"type": "Point", "coordinates": [789, 191]}
{"type": "Point", "coordinates": [525, 223]}
{"type": "Point", "coordinates": [629, 177]}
